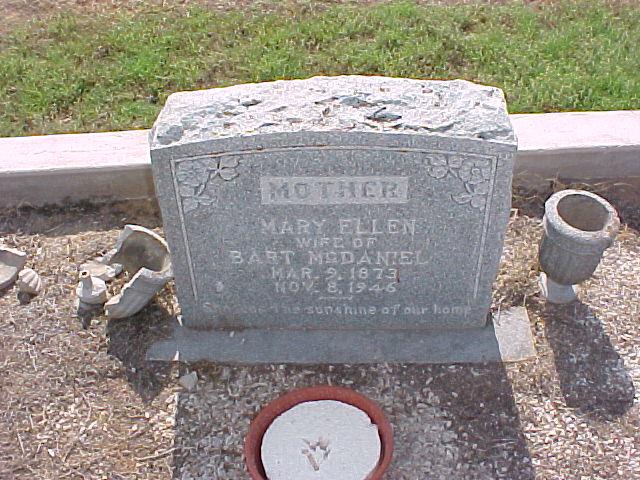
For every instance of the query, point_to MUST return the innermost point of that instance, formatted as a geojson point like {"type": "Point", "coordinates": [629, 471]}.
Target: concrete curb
{"type": "Point", "coordinates": [577, 146]}
{"type": "Point", "coordinates": [58, 168]}
{"type": "Point", "coordinates": [586, 147]}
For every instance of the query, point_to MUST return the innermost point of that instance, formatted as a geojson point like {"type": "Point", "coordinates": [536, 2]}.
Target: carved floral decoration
{"type": "Point", "coordinates": [475, 174]}
{"type": "Point", "coordinates": [194, 176]}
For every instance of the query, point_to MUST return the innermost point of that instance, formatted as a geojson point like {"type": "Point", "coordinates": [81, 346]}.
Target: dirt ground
{"type": "Point", "coordinates": [17, 12]}
{"type": "Point", "coordinates": [78, 399]}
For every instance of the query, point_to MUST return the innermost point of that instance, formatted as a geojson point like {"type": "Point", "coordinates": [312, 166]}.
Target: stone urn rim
{"type": "Point", "coordinates": [260, 424]}
{"type": "Point", "coordinates": [609, 222]}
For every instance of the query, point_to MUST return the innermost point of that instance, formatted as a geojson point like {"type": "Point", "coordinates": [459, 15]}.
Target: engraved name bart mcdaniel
{"type": "Point", "coordinates": [335, 235]}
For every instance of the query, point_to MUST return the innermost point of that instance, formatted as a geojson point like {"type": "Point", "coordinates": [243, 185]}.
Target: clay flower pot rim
{"type": "Point", "coordinates": [260, 424]}
{"type": "Point", "coordinates": [605, 234]}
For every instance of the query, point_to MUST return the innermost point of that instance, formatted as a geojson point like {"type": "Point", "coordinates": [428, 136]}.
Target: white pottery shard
{"type": "Point", "coordinates": [91, 290]}
{"type": "Point", "coordinates": [144, 254]}
{"type": "Point", "coordinates": [11, 262]}
{"type": "Point", "coordinates": [106, 258]}
{"type": "Point", "coordinates": [29, 282]}
{"type": "Point", "coordinates": [136, 293]}
{"type": "Point", "coordinates": [100, 270]}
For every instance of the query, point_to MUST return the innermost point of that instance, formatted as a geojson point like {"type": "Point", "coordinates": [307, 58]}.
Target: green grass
{"type": "Point", "coordinates": [109, 73]}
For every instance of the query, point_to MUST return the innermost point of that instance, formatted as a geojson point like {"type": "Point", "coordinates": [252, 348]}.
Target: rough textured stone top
{"type": "Point", "coordinates": [348, 103]}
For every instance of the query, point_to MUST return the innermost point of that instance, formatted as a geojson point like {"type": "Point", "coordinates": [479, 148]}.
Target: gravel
{"type": "Point", "coordinates": [78, 399]}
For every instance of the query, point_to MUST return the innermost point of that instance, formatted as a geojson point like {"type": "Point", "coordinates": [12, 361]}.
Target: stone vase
{"type": "Point", "coordinates": [578, 227]}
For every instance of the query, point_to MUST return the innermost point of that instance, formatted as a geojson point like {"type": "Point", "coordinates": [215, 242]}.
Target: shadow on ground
{"type": "Point", "coordinates": [483, 411]}
{"type": "Point", "coordinates": [450, 422]}
{"type": "Point", "coordinates": [592, 375]}
{"type": "Point", "coordinates": [129, 340]}
{"type": "Point", "coordinates": [77, 218]}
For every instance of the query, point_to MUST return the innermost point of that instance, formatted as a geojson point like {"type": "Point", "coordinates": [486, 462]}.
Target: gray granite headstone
{"type": "Point", "coordinates": [333, 208]}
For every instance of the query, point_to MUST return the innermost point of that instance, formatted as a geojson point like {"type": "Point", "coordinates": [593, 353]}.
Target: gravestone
{"type": "Point", "coordinates": [336, 219]}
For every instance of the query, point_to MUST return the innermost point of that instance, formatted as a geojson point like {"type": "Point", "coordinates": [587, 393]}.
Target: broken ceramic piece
{"type": "Point", "coordinates": [11, 262]}
{"type": "Point", "coordinates": [106, 257]}
{"type": "Point", "coordinates": [144, 254]}
{"type": "Point", "coordinates": [137, 293]}
{"type": "Point", "coordinates": [29, 282]}
{"type": "Point", "coordinates": [578, 227]}
{"type": "Point", "coordinates": [100, 270]}
{"type": "Point", "coordinates": [91, 290]}
{"type": "Point", "coordinates": [139, 247]}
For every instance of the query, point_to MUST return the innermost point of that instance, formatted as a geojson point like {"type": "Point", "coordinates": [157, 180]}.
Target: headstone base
{"type": "Point", "coordinates": [506, 338]}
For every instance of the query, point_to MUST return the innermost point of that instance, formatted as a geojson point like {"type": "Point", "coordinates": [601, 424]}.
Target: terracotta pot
{"type": "Point", "coordinates": [253, 441]}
